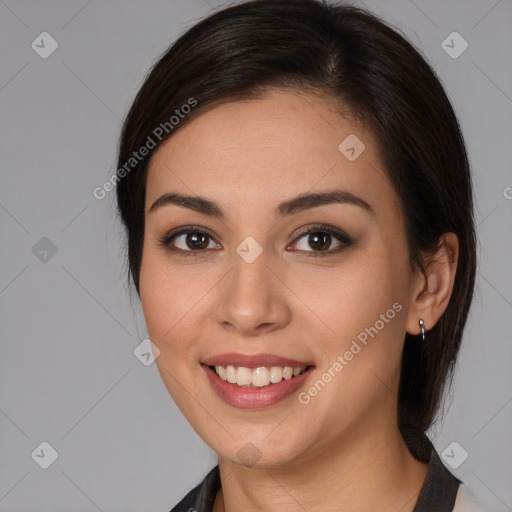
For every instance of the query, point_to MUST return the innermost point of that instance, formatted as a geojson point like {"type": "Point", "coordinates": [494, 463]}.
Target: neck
{"type": "Point", "coordinates": [367, 469]}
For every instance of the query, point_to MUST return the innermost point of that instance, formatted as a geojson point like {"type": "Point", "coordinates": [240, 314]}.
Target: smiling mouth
{"type": "Point", "coordinates": [261, 376]}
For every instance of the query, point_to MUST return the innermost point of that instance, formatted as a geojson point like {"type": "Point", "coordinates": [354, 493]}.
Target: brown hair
{"type": "Point", "coordinates": [347, 54]}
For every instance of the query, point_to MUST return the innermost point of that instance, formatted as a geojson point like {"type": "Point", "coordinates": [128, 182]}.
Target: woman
{"type": "Point", "coordinates": [299, 211]}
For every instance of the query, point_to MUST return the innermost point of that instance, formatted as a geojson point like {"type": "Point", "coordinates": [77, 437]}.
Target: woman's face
{"type": "Point", "coordinates": [251, 283]}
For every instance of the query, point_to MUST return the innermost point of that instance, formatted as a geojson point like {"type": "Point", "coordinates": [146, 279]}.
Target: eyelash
{"type": "Point", "coordinates": [344, 240]}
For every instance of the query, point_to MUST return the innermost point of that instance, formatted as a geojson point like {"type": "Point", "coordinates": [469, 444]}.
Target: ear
{"type": "Point", "coordinates": [431, 294]}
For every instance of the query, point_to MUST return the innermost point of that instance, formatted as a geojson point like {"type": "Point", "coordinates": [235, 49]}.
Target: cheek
{"type": "Point", "coordinates": [168, 300]}
{"type": "Point", "coordinates": [359, 313]}
{"type": "Point", "coordinates": [171, 299]}
{"type": "Point", "coordinates": [348, 297]}
{"type": "Point", "coordinates": [158, 295]}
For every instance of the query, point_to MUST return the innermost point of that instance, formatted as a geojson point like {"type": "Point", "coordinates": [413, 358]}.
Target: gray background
{"type": "Point", "coordinates": [68, 374]}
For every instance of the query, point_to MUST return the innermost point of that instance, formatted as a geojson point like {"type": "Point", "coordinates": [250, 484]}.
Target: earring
{"type": "Point", "coordinates": [423, 330]}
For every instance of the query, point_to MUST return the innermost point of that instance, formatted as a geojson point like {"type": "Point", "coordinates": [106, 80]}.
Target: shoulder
{"type": "Point", "coordinates": [466, 501]}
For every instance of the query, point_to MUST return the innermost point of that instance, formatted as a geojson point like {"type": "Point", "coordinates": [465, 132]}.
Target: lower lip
{"type": "Point", "coordinates": [254, 398]}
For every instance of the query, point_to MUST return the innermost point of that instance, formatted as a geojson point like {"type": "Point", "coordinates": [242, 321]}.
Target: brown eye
{"type": "Point", "coordinates": [192, 241]}
{"type": "Point", "coordinates": [319, 242]}
{"type": "Point", "coordinates": [189, 242]}
{"type": "Point", "coordinates": [319, 239]}
{"type": "Point", "coordinates": [196, 241]}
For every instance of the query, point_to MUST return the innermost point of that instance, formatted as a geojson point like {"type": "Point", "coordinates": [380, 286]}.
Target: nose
{"type": "Point", "coordinates": [253, 299]}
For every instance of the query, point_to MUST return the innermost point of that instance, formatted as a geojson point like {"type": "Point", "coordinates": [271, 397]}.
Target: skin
{"type": "Point", "coordinates": [342, 450]}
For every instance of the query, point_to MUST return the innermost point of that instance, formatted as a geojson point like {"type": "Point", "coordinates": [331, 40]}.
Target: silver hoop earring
{"type": "Point", "coordinates": [423, 330]}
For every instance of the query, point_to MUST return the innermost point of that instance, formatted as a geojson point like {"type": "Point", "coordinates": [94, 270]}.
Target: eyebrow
{"type": "Point", "coordinates": [291, 206]}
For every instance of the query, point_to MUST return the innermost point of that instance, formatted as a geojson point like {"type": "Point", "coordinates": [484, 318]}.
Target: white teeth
{"type": "Point", "coordinates": [222, 372]}
{"type": "Point", "coordinates": [276, 374]}
{"type": "Point", "coordinates": [258, 377]}
{"type": "Point", "coordinates": [230, 374]}
{"type": "Point", "coordinates": [243, 376]}
{"type": "Point", "coordinates": [287, 372]}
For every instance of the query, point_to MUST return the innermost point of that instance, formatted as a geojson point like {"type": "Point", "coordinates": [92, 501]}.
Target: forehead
{"type": "Point", "coordinates": [264, 150]}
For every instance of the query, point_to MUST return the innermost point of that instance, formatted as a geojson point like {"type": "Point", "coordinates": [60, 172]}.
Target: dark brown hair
{"type": "Point", "coordinates": [369, 68]}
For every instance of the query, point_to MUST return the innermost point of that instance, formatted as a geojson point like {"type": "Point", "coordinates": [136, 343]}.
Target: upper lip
{"type": "Point", "coordinates": [253, 361]}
